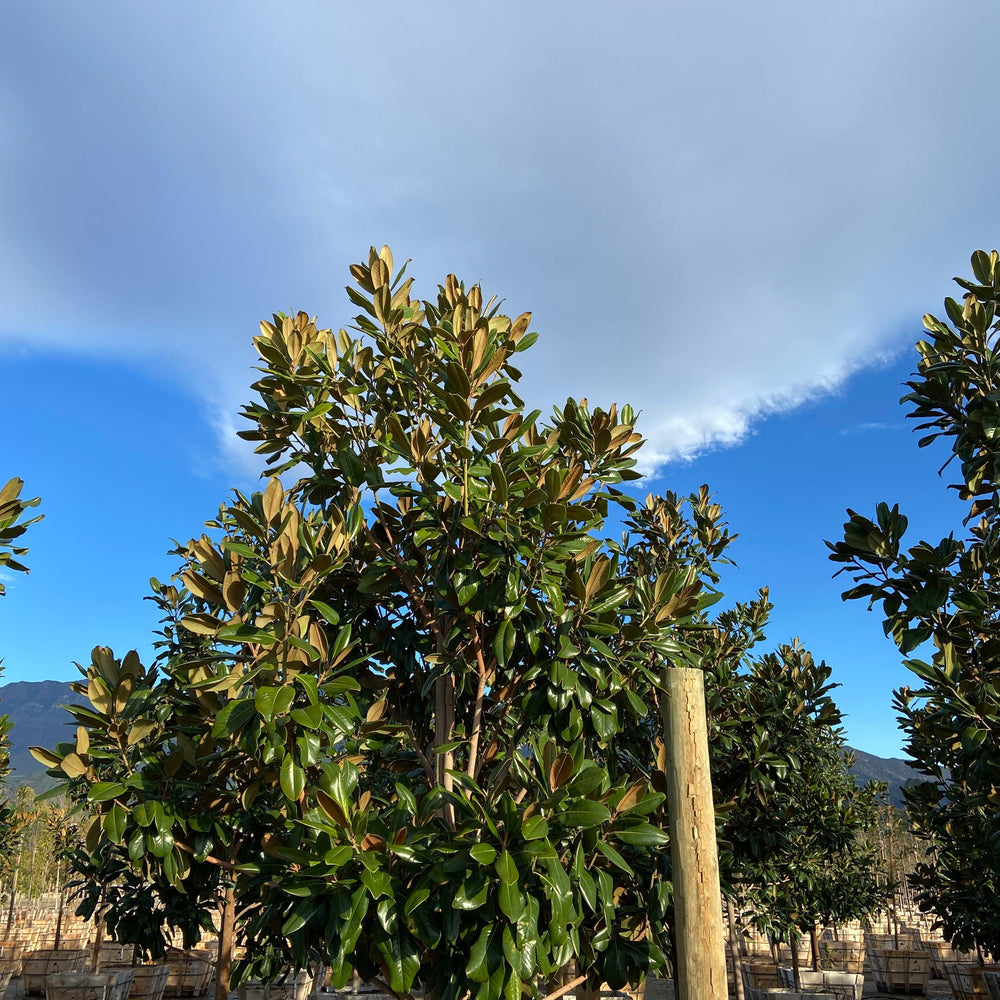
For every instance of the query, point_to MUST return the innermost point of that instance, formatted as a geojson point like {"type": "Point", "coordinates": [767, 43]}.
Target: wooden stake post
{"type": "Point", "coordinates": [701, 954]}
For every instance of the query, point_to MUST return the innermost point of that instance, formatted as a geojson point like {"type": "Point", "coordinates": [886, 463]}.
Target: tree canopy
{"type": "Point", "coordinates": [940, 600]}
{"type": "Point", "coordinates": [404, 716]}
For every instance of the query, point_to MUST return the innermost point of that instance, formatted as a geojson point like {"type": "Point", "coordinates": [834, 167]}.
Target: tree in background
{"type": "Point", "coordinates": [944, 596]}
{"type": "Point", "coordinates": [396, 700]}
{"type": "Point", "coordinates": [797, 826]}
{"type": "Point", "coordinates": [13, 525]}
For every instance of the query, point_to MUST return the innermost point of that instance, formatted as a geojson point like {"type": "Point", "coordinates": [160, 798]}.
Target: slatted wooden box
{"type": "Point", "coordinates": [992, 979]}
{"type": "Point", "coordinates": [967, 981]}
{"type": "Point", "coordinates": [843, 985]}
{"type": "Point", "coordinates": [47, 962]}
{"type": "Point", "coordinates": [906, 972]}
{"type": "Point", "coordinates": [12, 957]}
{"type": "Point", "coordinates": [148, 981]}
{"type": "Point", "coordinates": [298, 987]}
{"type": "Point", "coordinates": [843, 956]}
{"type": "Point", "coordinates": [942, 954]}
{"type": "Point", "coordinates": [89, 986]}
{"type": "Point", "coordinates": [190, 972]}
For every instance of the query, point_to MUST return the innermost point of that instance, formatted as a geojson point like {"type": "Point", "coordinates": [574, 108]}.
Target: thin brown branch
{"type": "Point", "coordinates": [477, 714]}
{"type": "Point", "coordinates": [225, 865]}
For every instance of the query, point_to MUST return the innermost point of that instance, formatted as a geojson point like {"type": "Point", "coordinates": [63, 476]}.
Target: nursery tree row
{"type": "Point", "coordinates": [404, 715]}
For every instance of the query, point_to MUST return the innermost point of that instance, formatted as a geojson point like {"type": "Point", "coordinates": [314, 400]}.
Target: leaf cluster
{"type": "Point", "coordinates": [943, 597]}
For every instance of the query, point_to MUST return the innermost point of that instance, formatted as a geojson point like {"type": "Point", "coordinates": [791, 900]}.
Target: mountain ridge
{"type": "Point", "coordinates": [35, 708]}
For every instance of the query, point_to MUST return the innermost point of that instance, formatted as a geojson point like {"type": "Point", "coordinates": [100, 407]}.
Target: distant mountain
{"type": "Point", "coordinates": [893, 771]}
{"type": "Point", "coordinates": [34, 708]}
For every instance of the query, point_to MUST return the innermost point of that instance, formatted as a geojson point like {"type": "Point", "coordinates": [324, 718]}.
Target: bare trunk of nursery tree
{"type": "Point", "coordinates": [735, 947]}
{"type": "Point", "coordinates": [444, 729]}
{"type": "Point", "coordinates": [13, 890]}
{"type": "Point", "coordinates": [225, 945]}
{"type": "Point", "coordinates": [95, 950]}
{"type": "Point", "coordinates": [61, 905]}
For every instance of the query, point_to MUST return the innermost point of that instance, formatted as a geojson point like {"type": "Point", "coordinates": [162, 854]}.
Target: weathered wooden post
{"type": "Point", "coordinates": [701, 955]}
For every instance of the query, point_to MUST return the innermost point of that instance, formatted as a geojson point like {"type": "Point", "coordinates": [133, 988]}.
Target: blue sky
{"type": "Point", "coordinates": [732, 217]}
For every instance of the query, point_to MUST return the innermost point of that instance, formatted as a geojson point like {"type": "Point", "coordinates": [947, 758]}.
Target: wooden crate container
{"type": "Point", "coordinates": [967, 981]}
{"type": "Point", "coordinates": [854, 935]}
{"type": "Point", "coordinates": [752, 992]}
{"type": "Point", "coordinates": [148, 981]}
{"type": "Point", "coordinates": [804, 950]}
{"type": "Point", "coordinates": [47, 962]}
{"type": "Point", "coordinates": [992, 979]}
{"type": "Point", "coordinates": [900, 971]}
{"type": "Point", "coordinates": [190, 973]}
{"type": "Point", "coordinates": [942, 954]}
{"type": "Point", "coordinates": [298, 987]}
{"type": "Point", "coordinates": [114, 953]}
{"type": "Point", "coordinates": [842, 956]}
{"type": "Point", "coordinates": [762, 975]}
{"type": "Point", "coordinates": [89, 986]}
{"type": "Point", "coordinates": [843, 985]}
{"type": "Point", "coordinates": [12, 956]}
{"type": "Point", "coordinates": [907, 939]}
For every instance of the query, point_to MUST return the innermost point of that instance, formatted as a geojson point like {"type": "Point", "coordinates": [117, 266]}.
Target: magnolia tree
{"type": "Point", "coordinates": [942, 597]}
{"type": "Point", "coordinates": [796, 825]}
{"type": "Point", "coordinates": [394, 721]}
{"type": "Point", "coordinates": [13, 524]}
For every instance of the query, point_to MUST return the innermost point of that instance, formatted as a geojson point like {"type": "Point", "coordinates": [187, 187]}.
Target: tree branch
{"type": "Point", "coordinates": [477, 715]}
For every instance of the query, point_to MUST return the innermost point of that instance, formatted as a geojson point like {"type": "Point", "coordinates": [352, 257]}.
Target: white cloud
{"type": "Point", "coordinates": [715, 211]}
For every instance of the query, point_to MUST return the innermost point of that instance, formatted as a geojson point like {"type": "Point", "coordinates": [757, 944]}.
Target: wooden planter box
{"type": "Point", "coordinates": [942, 954]}
{"type": "Point", "coordinates": [906, 940]}
{"type": "Point", "coordinates": [48, 962]}
{"type": "Point", "coordinates": [12, 957]}
{"type": "Point", "coordinates": [968, 981]}
{"type": "Point", "coordinates": [148, 981]}
{"type": "Point", "coordinates": [758, 977]}
{"type": "Point", "coordinates": [804, 949]}
{"type": "Point", "coordinates": [900, 971]}
{"type": "Point", "coordinates": [763, 975]}
{"type": "Point", "coordinates": [88, 986]}
{"type": "Point", "coordinates": [992, 979]}
{"type": "Point", "coordinates": [843, 956]}
{"type": "Point", "coordinates": [113, 953]}
{"type": "Point", "coordinates": [298, 987]}
{"type": "Point", "coordinates": [190, 973]}
{"type": "Point", "coordinates": [843, 985]}
{"type": "Point", "coordinates": [784, 993]}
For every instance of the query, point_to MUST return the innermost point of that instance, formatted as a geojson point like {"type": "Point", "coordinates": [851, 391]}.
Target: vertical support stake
{"type": "Point", "coordinates": [701, 954]}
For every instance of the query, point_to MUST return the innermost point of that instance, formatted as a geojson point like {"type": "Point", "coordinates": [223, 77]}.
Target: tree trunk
{"type": "Point", "coordinates": [444, 728]}
{"type": "Point", "coordinates": [95, 950]}
{"type": "Point", "coordinates": [701, 954]}
{"type": "Point", "coordinates": [225, 945]}
{"type": "Point", "coordinates": [736, 947]}
{"type": "Point", "coordinates": [59, 914]}
{"type": "Point", "coordinates": [13, 891]}
{"type": "Point", "coordinates": [814, 946]}
{"type": "Point", "coordinates": [794, 941]}
{"type": "Point", "coordinates": [31, 867]}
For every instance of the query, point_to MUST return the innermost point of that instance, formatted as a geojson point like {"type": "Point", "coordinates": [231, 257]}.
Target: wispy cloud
{"type": "Point", "coordinates": [864, 428]}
